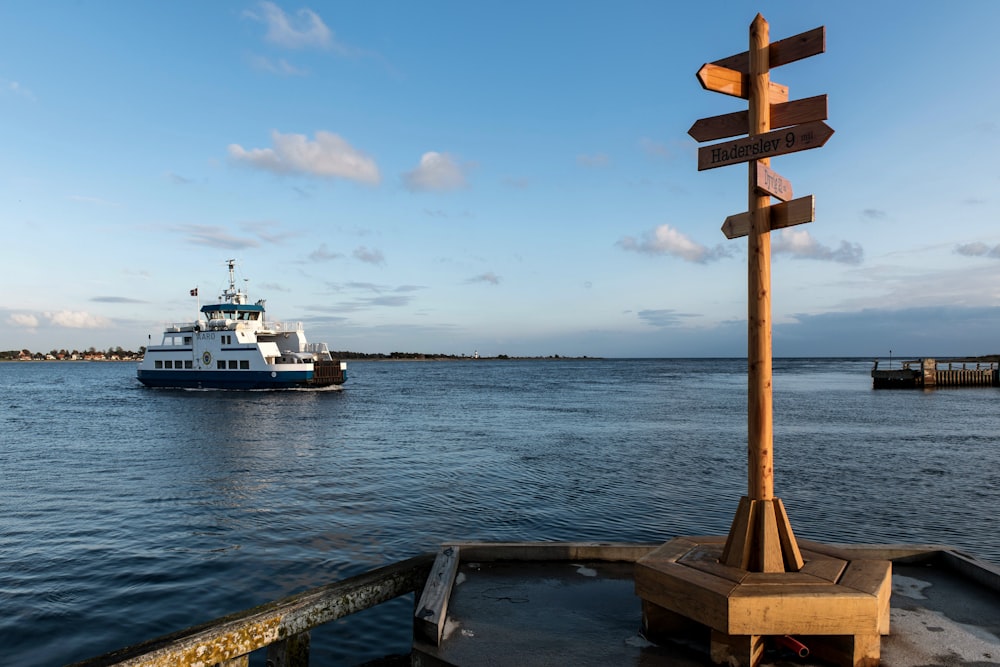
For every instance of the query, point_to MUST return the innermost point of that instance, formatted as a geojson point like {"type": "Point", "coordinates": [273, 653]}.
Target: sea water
{"type": "Point", "coordinates": [127, 512]}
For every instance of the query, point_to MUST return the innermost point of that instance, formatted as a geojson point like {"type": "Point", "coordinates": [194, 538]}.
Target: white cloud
{"type": "Point", "coordinates": [329, 156]}
{"type": "Point", "coordinates": [23, 320]}
{"type": "Point", "coordinates": [268, 231]}
{"type": "Point", "coordinates": [214, 236]}
{"type": "Point", "coordinates": [77, 320]}
{"type": "Point", "coordinates": [801, 245]}
{"type": "Point", "coordinates": [280, 66]}
{"type": "Point", "coordinates": [436, 172]}
{"type": "Point", "coordinates": [303, 30]}
{"type": "Point", "coordinates": [666, 240]}
{"type": "Point", "coordinates": [978, 249]}
{"type": "Point", "coordinates": [323, 254]}
{"type": "Point", "coordinates": [369, 256]}
{"type": "Point", "coordinates": [488, 277]}
{"type": "Point", "coordinates": [663, 318]}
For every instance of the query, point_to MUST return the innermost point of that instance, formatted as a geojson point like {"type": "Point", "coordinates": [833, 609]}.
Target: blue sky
{"type": "Point", "coordinates": [508, 178]}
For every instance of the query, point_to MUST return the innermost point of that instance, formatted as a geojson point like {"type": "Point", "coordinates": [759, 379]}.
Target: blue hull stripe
{"type": "Point", "coordinates": [224, 379]}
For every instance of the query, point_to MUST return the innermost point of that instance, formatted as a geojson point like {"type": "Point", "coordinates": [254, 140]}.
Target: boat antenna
{"type": "Point", "coordinates": [231, 292]}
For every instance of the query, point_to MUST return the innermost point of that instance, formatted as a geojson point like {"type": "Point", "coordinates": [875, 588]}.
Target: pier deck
{"type": "Point", "coordinates": [931, 373]}
{"type": "Point", "coordinates": [585, 612]}
{"type": "Point", "coordinates": [525, 604]}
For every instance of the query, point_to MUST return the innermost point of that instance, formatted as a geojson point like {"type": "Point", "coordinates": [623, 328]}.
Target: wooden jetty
{"type": "Point", "coordinates": [928, 373]}
{"type": "Point", "coordinates": [542, 603]}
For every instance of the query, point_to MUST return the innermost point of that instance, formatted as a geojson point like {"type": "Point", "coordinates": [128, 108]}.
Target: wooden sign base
{"type": "Point", "coordinates": [761, 538]}
{"type": "Point", "coordinates": [837, 604]}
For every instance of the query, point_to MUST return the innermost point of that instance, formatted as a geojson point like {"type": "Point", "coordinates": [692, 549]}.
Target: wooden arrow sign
{"type": "Point", "coordinates": [730, 82]}
{"type": "Point", "coordinates": [785, 214]}
{"type": "Point", "coordinates": [785, 114]}
{"type": "Point", "coordinates": [782, 52]}
{"type": "Point", "coordinates": [759, 146]}
{"type": "Point", "coordinates": [773, 183]}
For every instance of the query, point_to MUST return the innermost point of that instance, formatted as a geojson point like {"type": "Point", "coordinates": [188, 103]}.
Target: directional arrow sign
{"type": "Point", "coordinates": [730, 82]}
{"type": "Point", "coordinates": [785, 214]}
{"type": "Point", "coordinates": [760, 146]}
{"type": "Point", "coordinates": [773, 183]}
{"type": "Point", "coordinates": [782, 52]}
{"type": "Point", "coordinates": [782, 115]}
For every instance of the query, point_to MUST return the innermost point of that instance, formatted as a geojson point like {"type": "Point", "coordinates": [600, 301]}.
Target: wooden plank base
{"type": "Point", "coordinates": [840, 603]}
{"type": "Point", "coordinates": [761, 538]}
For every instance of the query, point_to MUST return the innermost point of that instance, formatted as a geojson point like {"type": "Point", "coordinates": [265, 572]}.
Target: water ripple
{"type": "Point", "coordinates": [130, 513]}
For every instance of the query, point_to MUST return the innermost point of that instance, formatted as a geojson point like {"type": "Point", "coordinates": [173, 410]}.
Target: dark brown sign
{"type": "Point", "coordinates": [760, 146]}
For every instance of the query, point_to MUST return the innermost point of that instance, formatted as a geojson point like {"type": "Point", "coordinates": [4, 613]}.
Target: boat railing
{"type": "Point", "coordinates": [284, 327]}
{"type": "Point", "coordinates": [230, 325]}
{"type": "Point", "coordinates": [281, 627]}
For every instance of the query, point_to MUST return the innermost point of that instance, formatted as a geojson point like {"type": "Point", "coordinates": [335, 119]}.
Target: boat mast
{"type": "Point", "coordinates": [230, 294]}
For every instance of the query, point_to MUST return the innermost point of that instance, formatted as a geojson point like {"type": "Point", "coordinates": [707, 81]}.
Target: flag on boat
{"type": "Point", "coordinates": [194, 292]}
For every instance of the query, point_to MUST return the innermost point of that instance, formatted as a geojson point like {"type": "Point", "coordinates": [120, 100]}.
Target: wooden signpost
{"type": "Point", "coordinates": [757, 583]}
{"type": "Point", "coordinates": [761, 538]}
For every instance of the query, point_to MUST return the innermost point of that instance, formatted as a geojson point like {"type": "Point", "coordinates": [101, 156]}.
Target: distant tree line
{"type": "Point", "coordinates": [113, 353]}
{"type": "Point", "coordinates": [346, 354]}
{"type": "Point", "coordinates": [120, 354]}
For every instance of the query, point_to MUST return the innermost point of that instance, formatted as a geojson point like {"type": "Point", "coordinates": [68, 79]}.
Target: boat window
{"type": "Point", "coordinates": [232, 364]}
{"type": "Point", "coordinates": [168, 364]}
{"type": "Point", "coordinates": [187, 364]}
{"type": "Point", "coordinates": [187, 340]}
{"type": "Point", "coordinates": [220, 364]}
{"type": "Point", "coordinates": [244, 364]}
{"type": "Point", "coordinates": [157, 364]}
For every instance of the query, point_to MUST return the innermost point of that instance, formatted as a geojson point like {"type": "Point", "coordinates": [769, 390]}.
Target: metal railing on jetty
{"type": "Point", "coordinates": [282, 627]}
{"type": "Point", "coordinates": [929, 373]}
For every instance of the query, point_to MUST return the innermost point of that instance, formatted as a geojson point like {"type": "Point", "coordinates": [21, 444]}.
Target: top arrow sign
{"type": "Point", "coordinates": [782, 52]}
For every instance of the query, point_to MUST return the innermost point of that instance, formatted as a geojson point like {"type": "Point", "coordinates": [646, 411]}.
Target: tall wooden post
{"type": "Point", "coordinates": [759, 408]}
{"type": "Point", "coordinates": [689, 582]}
{"type": "Point", "coordinates": [761, 537]}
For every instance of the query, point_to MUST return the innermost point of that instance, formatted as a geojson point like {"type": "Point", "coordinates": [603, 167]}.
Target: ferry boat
{"type": "Point", "coordinates": [232, 345]}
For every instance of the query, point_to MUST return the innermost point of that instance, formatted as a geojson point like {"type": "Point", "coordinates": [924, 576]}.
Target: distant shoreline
{"type": "Point", "coordinates": [448, 358]}
{"type": "Point", "coordinates": [352, 359]}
